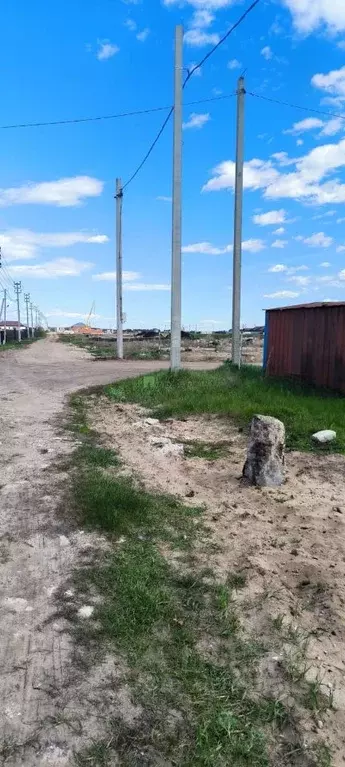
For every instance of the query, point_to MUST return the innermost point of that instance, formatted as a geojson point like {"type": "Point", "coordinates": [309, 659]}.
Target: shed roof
{"type": "Point", "coordinates": [316, 305]}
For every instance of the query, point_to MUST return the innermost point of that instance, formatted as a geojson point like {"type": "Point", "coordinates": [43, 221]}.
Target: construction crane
{"type": "Point", "coordinates": [91, 312]}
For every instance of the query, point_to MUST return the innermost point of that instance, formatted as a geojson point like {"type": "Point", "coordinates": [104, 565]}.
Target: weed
{"type": "Point", "coordinates": [207, 450]}
{"type": "Point", "coordinates": [96, 755]}
{"type": "Point", "coordinates": [240, 394]}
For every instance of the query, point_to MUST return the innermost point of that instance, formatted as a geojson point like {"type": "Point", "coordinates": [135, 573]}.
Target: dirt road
{"type": "Point", "coordinates": [41, 718]}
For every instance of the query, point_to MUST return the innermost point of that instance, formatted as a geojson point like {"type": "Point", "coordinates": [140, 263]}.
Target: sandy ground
{"type": "Point", "coordinates": [46, 707]}
{"type": "Point", "coordinates": [290, 541]}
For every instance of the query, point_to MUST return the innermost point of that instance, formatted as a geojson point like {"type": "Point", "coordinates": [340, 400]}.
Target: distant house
{"type": "Point", "coordinates": [81, 328]}
{"type": "Point", "coordinates": [11, 325]}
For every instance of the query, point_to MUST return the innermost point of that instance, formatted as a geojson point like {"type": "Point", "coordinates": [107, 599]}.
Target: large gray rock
{"type": "Point", "coordinates": [266, 447]}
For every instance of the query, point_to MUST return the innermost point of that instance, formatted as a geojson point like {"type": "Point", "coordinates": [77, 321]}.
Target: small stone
{"type": "Point", "coordinates": [323, 436]}
{"type": "Point", "coordinates": [69, 593]}
{"type": "Point", "coordinates": [85, 611]}
{"type": "Point", "coordinates": [319, 724]}
{"type": "Point", "coordinates": [151, 421]}
{"type": "Point", "coordinates": [294, 552]}
{"type": "Point", "coordinates": [190, 494]}
{"type": "Point", "coordinates": [337, 509]}
{"type": "Point", "coordinates": [64, 541]}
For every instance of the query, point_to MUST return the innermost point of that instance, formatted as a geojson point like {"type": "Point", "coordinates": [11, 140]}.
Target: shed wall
{"type": "Point", "coordinates": [309, 344]}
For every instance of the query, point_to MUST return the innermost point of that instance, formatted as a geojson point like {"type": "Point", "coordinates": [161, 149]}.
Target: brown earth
{"type": "Point", "coordinates": [290, 542]}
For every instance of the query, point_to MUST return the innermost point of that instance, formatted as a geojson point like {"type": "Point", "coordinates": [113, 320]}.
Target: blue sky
{"type": "Point", "coordinates": [83, 59]}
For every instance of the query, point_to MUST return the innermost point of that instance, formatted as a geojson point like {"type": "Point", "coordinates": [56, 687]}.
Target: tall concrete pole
{"type": "Point", "coordinates": [27, 299]}
{"type": "Point", "coordinates": [18, 290]}
{"type": "Point", "coordinates": [32, 320]}
{"type": "Point", "coordinates": [237, 252]}
{"type": "Point", "coordinates": [119, 313]}
{"type": "Point", "coordinates": [5, 317]}
{"type": "Point", "coordinates": [175, 353]}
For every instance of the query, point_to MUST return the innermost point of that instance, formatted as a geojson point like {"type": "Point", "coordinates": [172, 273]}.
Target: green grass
{"type": "Point", "coordinates": [239, 395]}
{"type": "Point", "coordinates": [210, 451]}
{"type": "Point", "coordinates": [191, 666]}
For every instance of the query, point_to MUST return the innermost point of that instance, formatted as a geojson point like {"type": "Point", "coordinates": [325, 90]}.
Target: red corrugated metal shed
{"type": "Point", "coordinates": [307, 341]}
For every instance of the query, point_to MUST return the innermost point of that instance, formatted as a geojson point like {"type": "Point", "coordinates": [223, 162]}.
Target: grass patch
{"type": "Point", "coordinates": [210, 451]}
{"type": "Point", "coordinates": [192, 668]}
{"type": "Point", "coordinates": [240, 394]}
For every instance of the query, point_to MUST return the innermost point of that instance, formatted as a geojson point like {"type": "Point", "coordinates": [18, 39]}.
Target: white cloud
{"type": "Point", "coordinates": [301, 281]}
{"type": "Point", "coordinates": [278, 268]}
{"type": "Point", "coordinates": [145, 287]}
{"type": "Point", "coordinates": [131, 25]}
{"type": "Point", "coordinates": [253, 246]}
{"type": "Point", "coordinates": [197, 72]}
{"type": "Point", "coordinates": [66, 192]}
{"type": "Point", "coordinates": [308, 15]}
{"type": "Point", "coordinates": [234, 64]}
{"type": "Point", "coordinates": [164, 198]}
{"type": "Point", "coordinates": [327, 214]}
{"type": "Point", "coordinates": [61, 267]}
{"type": "Point", "coordinates": [299, 142]}
{"type": "Point", "coordinates": [340, 248]}
{"type": "Point", "coordinates": [280, 230]}
{"type": "Point", "coordinates": [106, 50]}
{"type": "Point", "coordinates": [267, 53]}
{"type": "Point", "coordinates": [211, 5]}
{"type": "Point", "coordinates": [341, 45]}
{"type": "Point", "coordinates": [282, 294]}
{"type": "Point", "coordinates": [333, 126]}
{"type": "Point", "coordinates": [111, 276]}
{"type": "Point", "coordinates": [318, 240]}
{"type": "Point", "coordinates": [309, 123]}
{"type": "Point", "coordinates": [206, 248]}
{"type": "Point", "coordinates": [270, 218]}
{"type": "Point", "coordinates": [196, 121]}
{"type": "Point", "coordinates": [325, 264]}
{"type": "Point", "coordinates": [197, 38]}
{"type": "Point", "coordinates": [202, 18]}
{"type": "Point", "coordinates": [340, 220]}
{"type": "Point", "coordinates": [333, 82]}
{"type": "Point", "coordinates": [18, 244]}
{"type": "Point", "coordinates": [307, 182]}
{"type": "Point", "coordinates": [142, 36]}
{"type": "Point", "coordinates": [279, 244]}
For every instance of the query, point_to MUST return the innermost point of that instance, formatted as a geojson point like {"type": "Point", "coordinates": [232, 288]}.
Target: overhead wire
{"type": "Point", "coordinates": [187, 78]}
{"type": "Point", "coordinates": [133, 113]}
{"type": "Point", "coordinates": [295, 106]}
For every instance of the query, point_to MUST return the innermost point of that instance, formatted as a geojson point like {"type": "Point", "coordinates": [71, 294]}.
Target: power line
{"type": "Point", "coordinates": [133, 113]}
{"type": "Point", "coordinates": [189, 75]}
{"type": "Point", "coordinates": [221, 41]}
{"type": "Point", "coordinates": [295, 106]}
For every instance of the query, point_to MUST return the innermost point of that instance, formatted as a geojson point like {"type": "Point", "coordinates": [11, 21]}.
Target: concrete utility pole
{"type": "Point", "coordinates": [27, 299]}
{"type": "Point", "coordinates": [18, 290]}
{"type": "Point", "coordinates": [237, 252]}
{"type": "Point", "coordinates": [175, 341]}
{"type": "Point", "coordinates": [119, 314]}
{"type": "Point", "coordinates": [4, 340]}
{"type": "Point", "coordinates": [37, 319]}
{"type": "Point", "coordinates": [32, 320]}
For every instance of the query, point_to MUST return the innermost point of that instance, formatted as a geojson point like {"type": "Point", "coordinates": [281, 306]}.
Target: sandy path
{"type": "Point", "coordinates": [37, 553]}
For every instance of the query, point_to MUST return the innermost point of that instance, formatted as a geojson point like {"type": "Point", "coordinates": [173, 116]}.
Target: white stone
{"type": "Point", "coordinates": [265, 456]}
{"type": "Point", "coordinates": [152, 422]}
{"type": "Point", "coordinates": [85, 611]}
{"type": "Point", "coordinates": [326, 435]}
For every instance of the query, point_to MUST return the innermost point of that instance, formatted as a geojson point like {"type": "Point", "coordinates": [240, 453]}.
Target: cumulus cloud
{"type": "Point", "coordinates": [325, 264]}
{"type": "Point", "coordinates": [196, 121]}
{"type": "Point", "coordinates": [318, 240]}
{"type": "Point", "coordinates": [19, 244]}
{"type": "Point", "coordinates": [164, 198]}
{"type": "Point", "coordinates": [61, 267]}
{"type": "Point", "coordinates": [206, 248]}
{"type": "Point", "coordinates": [234, 64]}
{"type": "Point", "coordinates": [143, 35]}
{"type": "Point", "coordinates": [65, 192]}
{"type": "Point", "coordinates": [309, 15]}
{"type": "Point", "coordinates": [280, 268]}
{"type": "Point", "coordinates": [198, 34]}
{"type": "Point", "coordinates": [282, 294]}
{"type": "Point", "coordinates": [267, 53]}
{"type": "Point", "coordinates": [111, 276]}
{"type": "Point", "coordinates": [106, 50]}
{"type": "Point", "coordinates": [308, 181]}
{"type": "Point", "coordinates": [142, 286]}
{"type": "Point", "coordinates": [270, 218]}
{"type": "Point", "coordinates": [309, 123]}
{"type": "Point", "coordinates": [212, 5]}
{"type": "Point", "coordinates": [279, 244]}
{"type": "Point", "coordinates": [280, 230]}
{"type": "Point", "coordinates": [332, 82]}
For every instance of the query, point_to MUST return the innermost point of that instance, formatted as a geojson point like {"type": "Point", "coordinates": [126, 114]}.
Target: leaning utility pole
{"type": "Point", "coordinates": [237, 252]}
{"type": "Point", "coordinates": [18, 290]}
{"type": "Point", "coordinates": [32, 320]}
{"type": "Point", "coordinates": [119, 314]}
{"type": "Point", "coordinates": [27, 299]}
{"type": "Point", "coordinates": [175, 340]}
